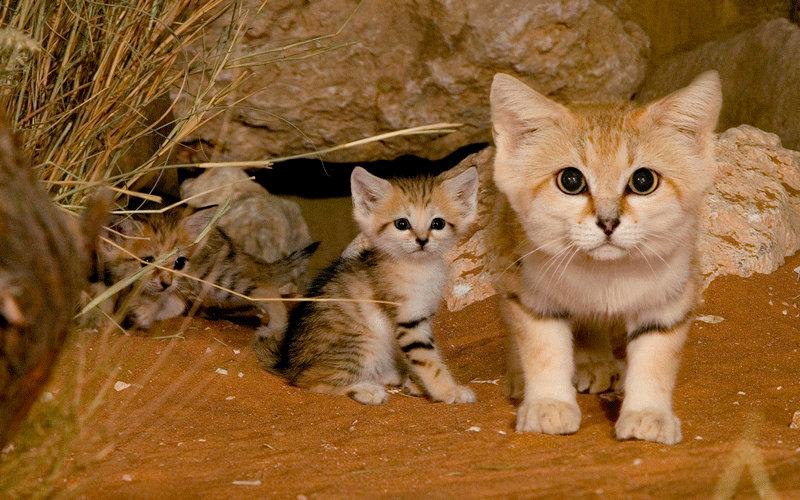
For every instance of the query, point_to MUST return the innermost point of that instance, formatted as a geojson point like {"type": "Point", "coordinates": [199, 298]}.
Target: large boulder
{"type": "Point", "coordinates": [406, 63]}
{"type": "Point", "coordinates": [759, 69]}
{"type": "Point", "coordinates": [751, 222]}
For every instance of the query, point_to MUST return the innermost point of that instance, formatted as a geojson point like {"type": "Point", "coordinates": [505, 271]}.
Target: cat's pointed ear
{"type": "Point", "coordinates": [367, 191]}
{"type": "Point", "coordinates": [463, 190]}
{"type": "Point", "coordinates": [195, 224]}
{"type": "Point", "coordinates": [692, 110]}
{"type": "Point", "coordinates": [518, 109]}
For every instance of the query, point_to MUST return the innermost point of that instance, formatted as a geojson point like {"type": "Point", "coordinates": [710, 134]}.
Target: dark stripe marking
{"type": "Point", "coordinates": [416, 345]}
{"type": "Point", "coordinates": [413, 323]}
{"type": "Point", "coordinates": [655, 328]}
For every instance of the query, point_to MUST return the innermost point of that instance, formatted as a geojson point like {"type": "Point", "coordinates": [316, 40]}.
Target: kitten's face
{"type": "Point", "coordinates": [605, 182]}
{"type": "Point", "coordinates": [414, 218]}
{"type": "Point", "coordinates": [149, 238]}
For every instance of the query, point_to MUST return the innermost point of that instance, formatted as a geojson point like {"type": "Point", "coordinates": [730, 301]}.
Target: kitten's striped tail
{"type": "Point", "coordinates": [267, 346]}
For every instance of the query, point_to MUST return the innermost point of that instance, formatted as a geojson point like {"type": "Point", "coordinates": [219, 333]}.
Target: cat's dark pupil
{"type": "Point", "coordinates": [180, 262]}
{"type": "Point", "coordinates": [149, 259]}
{"type": "Point", "coordinates": [643, 180]}
{"type": "Point", "coordinates": [572, 180]}
{"type": "Point", "coordinates": [402, 224]}
{"type": "Point", "coordinates": [437, 223]}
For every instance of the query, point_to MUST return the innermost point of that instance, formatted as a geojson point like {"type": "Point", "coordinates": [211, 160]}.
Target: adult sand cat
{"type": "Point", "coordinates": [357, 348]}
{"type": "Point", "coordinates": [598, 221]}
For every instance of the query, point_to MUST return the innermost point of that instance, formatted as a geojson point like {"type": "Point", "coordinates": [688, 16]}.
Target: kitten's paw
{"type": "Point", "coordinates": [596, 376]}
{"type": "Point", "coordinates": [549, 416]}
{"type": "Point", "coordinates": [650, 425]}
{"type": "Point", "coordinates": [456, 394]}
{"type": "Point", "coordinates": [413, 388]}
{"type": "Point", "coordinates": [368, 394]}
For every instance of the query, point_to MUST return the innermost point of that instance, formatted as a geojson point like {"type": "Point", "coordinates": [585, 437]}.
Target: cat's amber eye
{"type": "Point", "coordinates": [402, 224]}
{"type": "Point", "coordinates": [571, 181]}
{"type": "Point", "coordinates": [148, 259]}
{"type": "Point", "coordinates": [643, 181]}
{"type": "Point", "coordinates": [179, 263]}
{"type": "Point", "coordinates": [437, 223]}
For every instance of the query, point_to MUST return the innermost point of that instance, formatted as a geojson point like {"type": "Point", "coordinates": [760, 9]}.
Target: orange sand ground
{"type": "Point", "coordinates": [192, 431]}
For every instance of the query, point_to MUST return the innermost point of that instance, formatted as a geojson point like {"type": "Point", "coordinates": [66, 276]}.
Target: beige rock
{"type": "Point", "coordinates": [406, 63]}
{"type": "Point", "coordinates": [759, 69]}
{"type": "Point", "coordinates": [752, 215]}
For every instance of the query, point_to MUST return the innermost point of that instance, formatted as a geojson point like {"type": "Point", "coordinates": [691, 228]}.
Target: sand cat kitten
{"type": "Point", "coordinates": [596, 232]}
{"type": "Point", "coordinates": [356, 348]}
{"type": "Point", "coordinates": [258, 222]}
{"type": "Point", "coordinates": [214, 259]}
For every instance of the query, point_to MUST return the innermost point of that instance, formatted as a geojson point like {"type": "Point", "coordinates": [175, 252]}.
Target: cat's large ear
{"type": "Point", "coordinates": [196, 223]}
{"type": "Point", "coordinates": [463, 190]}
{"type": "Point", "coordinates": [693, 110]}
{"type": "Point", "coordinates": [367, 191]}
{"type": "Point", "coordinates": [518, 110]}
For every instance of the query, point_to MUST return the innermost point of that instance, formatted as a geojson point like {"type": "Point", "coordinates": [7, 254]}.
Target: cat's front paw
{"type": "Point", "coordinates": [456, 394]}
{"type": "Point", "coordinates": [659, 426]}
{"type": "Point", "coordinates": [549, 416]}
{"type": "Point", "coordinates": [369, 394]}
{"type": "Point", "coordinates": [596, 376]}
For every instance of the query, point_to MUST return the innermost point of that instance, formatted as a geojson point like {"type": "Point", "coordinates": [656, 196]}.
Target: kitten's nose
{"type": "Point", "coordinates": [607, 225]}
{"type": "Point", "coordinates": [165, 284]}
{"type": "Point", "coordinates": [422, 242]}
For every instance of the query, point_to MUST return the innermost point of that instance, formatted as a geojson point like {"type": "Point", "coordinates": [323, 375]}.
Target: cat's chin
{"type": "Point", "coordinates": [607, 252]}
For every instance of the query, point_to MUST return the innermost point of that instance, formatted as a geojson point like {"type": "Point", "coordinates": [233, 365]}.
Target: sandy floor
{"type": "Point", "coordinates": [186, 427]}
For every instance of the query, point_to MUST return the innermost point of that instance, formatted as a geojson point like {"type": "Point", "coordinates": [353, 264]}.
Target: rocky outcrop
{"type": "Point", "coordinates": [759, 69]}
{"type": "Point", "coordinates": [406, 63]}
{"type": "Point", "coordinates": [751, 223]}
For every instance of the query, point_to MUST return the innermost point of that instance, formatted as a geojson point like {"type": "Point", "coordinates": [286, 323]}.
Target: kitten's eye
{"type": "Point", "coordinates": [437, 223]}
{"type": "Point", "coordinates": [180, 263]}
{"type": "Point", "coordinates": [149, 259]}
{"type": "Point", "coordinates": [402, 224]}
{"type": "Point", "coordinates": [571, 181]}
{"type": "Point", "coordinates": [643, 181]}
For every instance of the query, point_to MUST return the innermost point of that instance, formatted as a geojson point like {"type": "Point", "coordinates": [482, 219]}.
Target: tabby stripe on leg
{"type": "Point", "coordinates": [413, 323]}
{"type": "Point", "coordinates": [648, 328]}
{"type": "Point", "coordinates": [416, 345]}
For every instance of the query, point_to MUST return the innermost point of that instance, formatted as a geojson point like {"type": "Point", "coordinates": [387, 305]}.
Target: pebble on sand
{"type": "Point", "coordinates": [795, 423]}
{"type": "Point", "coordinates": [119, 385]}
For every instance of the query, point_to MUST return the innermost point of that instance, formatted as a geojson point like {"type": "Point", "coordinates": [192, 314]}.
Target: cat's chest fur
{"type": "Point", "coordinates": [418, 287]}
{"type": "Point", "coordinates": [605, 289]}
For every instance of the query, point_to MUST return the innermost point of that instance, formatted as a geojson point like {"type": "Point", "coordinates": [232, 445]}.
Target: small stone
{"type": "Point", "coordinates": [237, 351]}
{"type": "Point", "coordinates": [784, 312]}
{"type": "Point", "coordinates": [240, 375]}
{"type": "Point", "coordinates": [208, 350]}
{"type": "Point", "coordinates": [246, 482]}
{"type": "Point", "coordinates": [230, 398]}
{"type": "Point", "coordinates": [710, 318]}
{"type": "Point", "coordinates": [795, 423]}
{"type": "Point", "coordinates": [47, 397]}
{"type": "Point", "coordinates": [127, 478]}
{"type": "Point", "coordinates": [119, 385]}
{"type": "Point", "coordinates": [637, 461]}
{"type": "Point", "coordinates": [201, 440]}
{"type": "Point", "coordinates": [741, 393]}
{"type": "Point", "coordinates": [779, 388]}
{"type": "Point", "coordinates": [221, 371]}
{"type": "Point", "coordinates": [698, 438]}
{"type": "Point", "coordinates": [8, 449]}
{"type": "Point", "coordinates": [474, 428]}
{"type": "Point", "coordinates": [502, 433]}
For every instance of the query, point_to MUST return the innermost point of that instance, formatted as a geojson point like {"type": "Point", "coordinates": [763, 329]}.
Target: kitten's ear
{"type": "Point", "coordinates": [463, 190]}
{"type": "Point", "coordinates": [198, 221]}
{"type": "Point", "coordinates": [518, 109]}
{"type": "Point", "coordinates": [124, 225]}
{"type": "Point", "coordinates": [692, 110]}
{"type": "Point", "coordinates": [367, 191]}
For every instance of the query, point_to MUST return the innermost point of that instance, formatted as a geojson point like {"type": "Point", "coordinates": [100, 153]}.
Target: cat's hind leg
{"type": "Point", "coordinates": [596, 369]}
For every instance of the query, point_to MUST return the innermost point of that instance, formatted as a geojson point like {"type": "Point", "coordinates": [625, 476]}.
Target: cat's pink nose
{"type": "Point", "coordinates": [607, 225]}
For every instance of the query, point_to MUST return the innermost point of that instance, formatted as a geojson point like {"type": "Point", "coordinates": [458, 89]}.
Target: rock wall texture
{"type": "Point", "coordinates": [759, 69]}
{"type": "Point", "coordinates": [679, 25]}
{"type": "Point", "coordinates": [406, 63]}
{"type": "Point", "coordinates": [752, 217]}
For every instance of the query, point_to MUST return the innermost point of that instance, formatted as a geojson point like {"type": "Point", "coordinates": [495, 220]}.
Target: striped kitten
{"type": "Point", "coordinates": [215, 259]}
{"type": "Point", "coordinates": [357, 348]}
{"type": "Point", "coordinates": [596, 233]}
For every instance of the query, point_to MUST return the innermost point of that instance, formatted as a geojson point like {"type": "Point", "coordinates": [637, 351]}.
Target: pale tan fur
{"type": "Point", "coordinates": [356, 348]}
{"type": "Point", "coordinates": [564, 272]}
